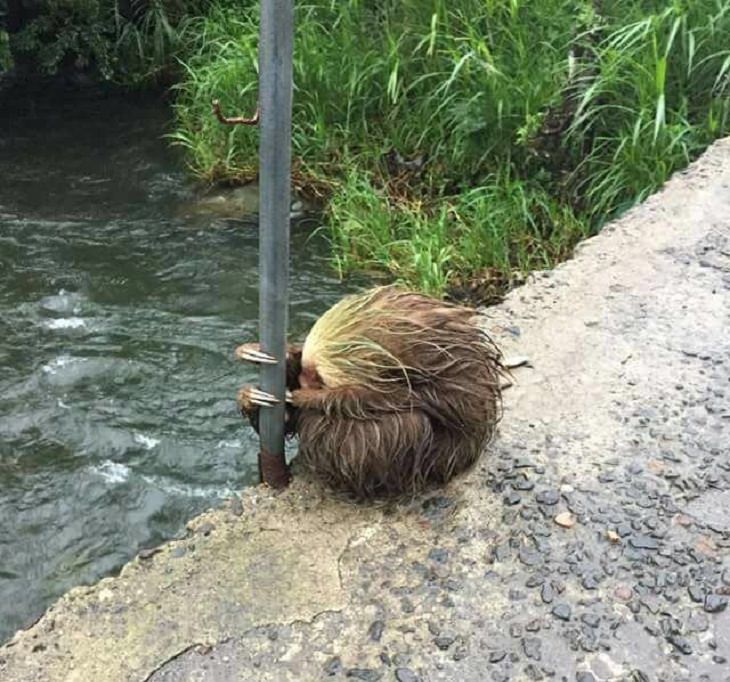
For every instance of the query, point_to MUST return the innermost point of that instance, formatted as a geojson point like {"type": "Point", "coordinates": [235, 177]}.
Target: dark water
{"type": "Point", "coordinates": [118, 316]}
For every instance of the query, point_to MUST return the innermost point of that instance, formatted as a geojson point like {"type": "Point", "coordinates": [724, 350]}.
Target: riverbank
{"type": "Point", "coordinates": [459, 145]}
{"type": "Point", "coordinates": [591, 543]}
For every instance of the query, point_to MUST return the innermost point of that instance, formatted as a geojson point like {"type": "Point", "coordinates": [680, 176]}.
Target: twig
{"type": "Point", "coordinates": [234, 120]}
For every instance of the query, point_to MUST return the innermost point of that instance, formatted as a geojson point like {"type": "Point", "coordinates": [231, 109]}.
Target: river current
{"type": "Point", "coordinates": [120, 304]}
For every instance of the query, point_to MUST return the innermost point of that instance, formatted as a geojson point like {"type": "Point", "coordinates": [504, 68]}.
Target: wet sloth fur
{"type": "Point", "coordinates": [391, 391]}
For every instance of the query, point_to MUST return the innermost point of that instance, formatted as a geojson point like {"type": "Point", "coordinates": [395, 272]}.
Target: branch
{"type": "Point", "coordinates": [234, 120]}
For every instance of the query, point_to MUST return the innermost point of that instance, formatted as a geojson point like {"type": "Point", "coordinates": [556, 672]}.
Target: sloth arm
{"type": "Point", "coordinates": [353, 402]}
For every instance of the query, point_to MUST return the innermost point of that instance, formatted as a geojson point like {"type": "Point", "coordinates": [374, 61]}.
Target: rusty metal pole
{"type": "Point", "coordinates": [275, 105]}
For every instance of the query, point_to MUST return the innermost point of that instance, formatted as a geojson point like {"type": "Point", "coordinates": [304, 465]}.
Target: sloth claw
{"type": "Point", "coordinates": [251, 353]}
{"type": "Point", "coordinates": [516, 361]}
{"type": "Point", "coordinates": [250, 398]}
{"type": "Point", "coordinates": [262, 398]}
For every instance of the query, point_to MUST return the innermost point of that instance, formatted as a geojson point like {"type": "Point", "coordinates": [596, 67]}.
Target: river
{"type": "Point", "coordinates": [119, 310]}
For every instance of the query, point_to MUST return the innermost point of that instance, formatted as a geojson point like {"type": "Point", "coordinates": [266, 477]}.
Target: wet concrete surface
{"type": "Point", "coordinates": [590, 543]}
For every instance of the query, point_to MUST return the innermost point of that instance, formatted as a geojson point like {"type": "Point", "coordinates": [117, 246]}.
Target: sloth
{"type": "Point", "coordinates": [391, 391]}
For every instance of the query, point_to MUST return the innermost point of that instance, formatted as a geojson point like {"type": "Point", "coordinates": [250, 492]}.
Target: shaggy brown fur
{"type": "Point", "coordinates": [396, 390]}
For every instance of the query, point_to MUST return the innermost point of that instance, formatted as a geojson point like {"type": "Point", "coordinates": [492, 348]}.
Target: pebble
{"type": "Point", "coordinates": [591, 619]}
{"type": "Point", "coordinates": [623, 593]}
{"type": "Point", "coordinates": [562, 611]}
{"type": "Point", "coordinates": [590, 582]}
{"type": "Point", "coordinates": [405, 675]}
{"type": "Point", "coordinates": [547, 594]}
{"type": "Point", "coordinates": [585, 676]}
{"type": "Point", "coordinates": [565, 519]}
{"type": "Point", "coordinates": [439, 554]}
{"type": "Point", "coordinates": [460, 654]}
{"type": "Point", "coordinates": [443, 642]}
{"type": "Point", "coordinates": [651, 604]}
{"type": "Point", "coordinates": [533, 673]}
{"type": "Point", "coordinates": [698, 622]}
{"type": "Point", "coordinates": [623, 529]}
{"type": "Point", "coordinates": [512, 498]}
{"type": "Point", "coordinates": [333, 665]}
{"type": "Point", "coordinates": [366, 674]}
{"type": "Point", "coordinates": [643, 542]}
{"type": "Point", "coordinates": [235, 506]}
{"type": "Point", "coordinates": [680, 644]}
{"type": "Point", "coordinates": [148, 552]}
{"type": "Point", "coordinates": [696, 593]}
{"type": "Point", "coordinates": [532, 646]}
{"type": "Point", "coordinates": [376, 630]}
{"type": "Point", "coordinates": [529, 557]}
{"type": "Point", "coordinates": [548, 497]}
{"type": "Point", "coordinates": [206, 528]}
{"type": "Point", "coordinates": [497, 656]}
{"type": "Point", "coordinates": [535, 580]}
{"type": "Point", "coordinates": [714, 603]}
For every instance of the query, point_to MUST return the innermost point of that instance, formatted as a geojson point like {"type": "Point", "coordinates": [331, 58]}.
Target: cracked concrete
{"type": "Point", "coordinates": [620, 428]}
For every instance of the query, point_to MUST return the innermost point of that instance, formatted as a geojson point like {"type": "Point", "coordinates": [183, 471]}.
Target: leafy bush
{"type": "Point", "coordinates": [130, 41]}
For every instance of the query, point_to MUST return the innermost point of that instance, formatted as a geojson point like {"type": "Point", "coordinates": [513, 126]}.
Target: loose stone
{"type": "Point", "coordinates": [529, 557]}
{"type": "Point", "coordinates": [497, 656]}
{"type": "Point", "coordinates": [714, 603]}
{"type": "Point", "coordinates": [680, 644]}
{"type": "Point", "coordinates": [562, 611]}
{"type": "Point", "coordinates": [405, 675]}
{"type": "Point", "coordinates": [591, 620]}
{"type": "Point", "coordinates": [548, 497]}
{"type": "Point", "coordinates": [643, 542]}
{"type": "Point", "coordinates": [439, 554]}
{"type": "Point", "coordinates": [443, 642]}
{"type": "Point", "coordinates": [535, 580]}
{"type": "Point", "coordinates": [333, 665]}
{"type": "Point", "coordinates": [376, 630]}
{"type": "Point", "coordinates": [365, 674]}
{"type": "Point", "coordinates": [565, 519]}
{"type": "Point", "coordinates": [532, 646]}
{"type": "Point", "coordinates": [696, 593]}
{"type": "Point", "coordinates": [235, 506]}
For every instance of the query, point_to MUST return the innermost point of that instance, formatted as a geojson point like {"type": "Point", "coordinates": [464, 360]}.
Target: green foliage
{"type": "Point", "coordinates": [66, 29]}
{"type": "Point", "coordinates": [539, 120]}
{"type": "Point", "coordinates": [6, 58]}
{"type": "Point", "coordinates": [132, 41]}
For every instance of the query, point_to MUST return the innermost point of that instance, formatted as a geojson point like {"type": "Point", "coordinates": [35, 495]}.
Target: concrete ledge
{"type": "Point", "coordinates": [620, 430]}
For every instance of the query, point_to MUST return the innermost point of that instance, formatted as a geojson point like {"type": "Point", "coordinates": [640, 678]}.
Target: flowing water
{"type": "Point", "coordinates": [120, 304]}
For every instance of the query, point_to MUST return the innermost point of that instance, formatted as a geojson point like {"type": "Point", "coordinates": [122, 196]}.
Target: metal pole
{"type": "Point", "coordinates": [275, 102]}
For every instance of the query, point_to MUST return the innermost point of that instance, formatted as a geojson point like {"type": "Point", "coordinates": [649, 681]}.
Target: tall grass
{"type": "Point", "coordinates": [460, 138]}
